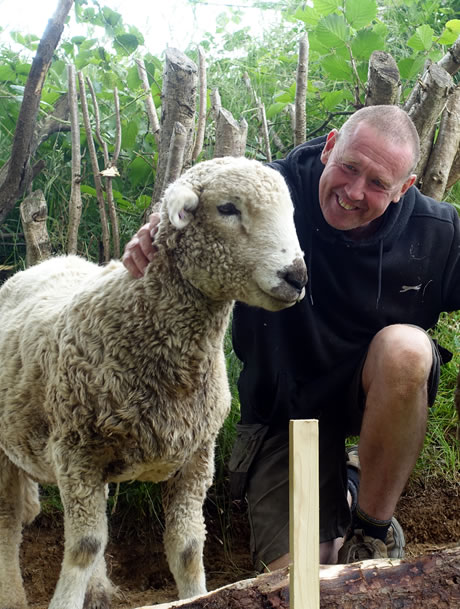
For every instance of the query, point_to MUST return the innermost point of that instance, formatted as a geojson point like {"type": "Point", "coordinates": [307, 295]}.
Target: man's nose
{"type": "Point", "coordinates": [355, 188]}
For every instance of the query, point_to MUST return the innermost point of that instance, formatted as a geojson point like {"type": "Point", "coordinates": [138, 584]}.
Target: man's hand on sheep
{"type": "Point", "coordinates": [140, 249]}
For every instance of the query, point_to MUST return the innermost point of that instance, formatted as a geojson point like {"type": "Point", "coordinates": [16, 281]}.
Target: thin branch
{"type": "Point", "coordinates": [108, 164]}
{"type": "Point", "coordinates": [216, 103]}
{"type": "Point", "coordinates": [265, 136]}
{"type": "Point", "coordinates": [95, 167]}
{"type": "Point", "coordinates": [149, 103]}
{"type": "Point", "coordinates": [202, 109]}
{"type": "Point", "coordinates": [300, 130]}
{"type": "Point", "coordinates": [75, 204]}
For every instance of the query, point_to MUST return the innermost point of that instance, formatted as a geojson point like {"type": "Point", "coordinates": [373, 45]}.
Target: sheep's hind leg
{"type": "Point", "coordinates": [18, 504]}
{"type": "Point", "coordinates": [82, 581]}
{"type": "Point", "coordinates": [185, 532]}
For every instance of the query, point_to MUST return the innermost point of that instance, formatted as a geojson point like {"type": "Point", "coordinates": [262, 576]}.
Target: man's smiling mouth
{"type": "Point", "coordinates": [345, 206]}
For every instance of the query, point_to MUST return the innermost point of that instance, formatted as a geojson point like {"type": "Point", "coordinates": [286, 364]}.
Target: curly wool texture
{"type": "Point", "coordinates": [109, 378]}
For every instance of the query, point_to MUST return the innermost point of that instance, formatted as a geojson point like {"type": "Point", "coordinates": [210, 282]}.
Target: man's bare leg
{"type": "Point", "coordinates": [395, 377]}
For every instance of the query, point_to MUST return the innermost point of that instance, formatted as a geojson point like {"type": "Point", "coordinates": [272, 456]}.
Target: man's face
{"type": "Point", "coordinates": [362, 176]}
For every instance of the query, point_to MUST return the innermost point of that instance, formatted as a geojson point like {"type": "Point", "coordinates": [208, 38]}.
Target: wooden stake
{"type": "Point", "coordinates": [304, 514]}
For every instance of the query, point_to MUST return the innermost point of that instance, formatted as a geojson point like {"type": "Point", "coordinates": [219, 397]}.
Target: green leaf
{"type": "Point", "coordinates": [139, 172]}
{"type": "Point", "coordinates": [325, 7]}
{"type": "Point", "coordinates": [143, 201]}
{"type": "Point", "coordinates": [6, 73]}
{"type": "Point", "coordinates": [332, 99]}
{"type": "Point", "coordinates": [451, 32]}
{"type": "Point", "coordinates": [411, 66]}
{"type": "Point", "coordinates": [365, 42]}
{"type": "Point", "coordinates": [129, 133]}
{"type": "Point", "coordinates": [82, 59]}
{"type": "Point", "coordinates": [125, 44]}
{"type": "Point", "coordinates": [111, 17]}
{"type": "Point", "coordinates": [337, 68]}
{"type": "Point", "coordinates": [77, 40]}
{"type": "Point", "coordinates": [422, 40]}
{"type": "Point", "coordinates": [24, 68]}
{"type": "Point", "coordinates": [275, 109]}
{"type": "Point", "coordinates": [308, 15]}
{"type": "Point", "coordinates": [360, 13]}
{"type": "Point", "coordinates": [317, 46]}
{"type": "Point", "coordinates": [133, 81]}
{"type": "Point", "coordinates": [332, 31]}
{"type": "Point", "coordinates": [88, 190]}
{"type": "Point", "coordinates": [286, 96]}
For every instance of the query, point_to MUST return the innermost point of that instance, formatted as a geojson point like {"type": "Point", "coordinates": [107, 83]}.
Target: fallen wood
{"type": "Point", "coordinates": [431, 581]}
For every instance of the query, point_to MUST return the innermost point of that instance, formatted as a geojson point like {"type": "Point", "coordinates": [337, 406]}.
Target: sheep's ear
{"type": "Point", "coordinates": [180, 201]}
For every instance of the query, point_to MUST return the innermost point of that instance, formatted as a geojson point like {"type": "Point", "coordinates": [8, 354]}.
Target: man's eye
{"type": "Point", "coordinates": [348, 167]}
{"type": "Point", "coordinates": [228, 209]}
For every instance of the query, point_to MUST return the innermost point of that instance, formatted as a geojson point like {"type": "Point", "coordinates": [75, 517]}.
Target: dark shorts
{"type": "Point", "coordinates": [259, 469]}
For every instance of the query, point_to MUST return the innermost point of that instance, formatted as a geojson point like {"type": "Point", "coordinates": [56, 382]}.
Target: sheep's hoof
{"type": "Point", "coordinates": [98, 597]}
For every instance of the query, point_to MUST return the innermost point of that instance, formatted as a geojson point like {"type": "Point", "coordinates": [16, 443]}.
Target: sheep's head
{"type": "Point", "coordinates": [235, 237]}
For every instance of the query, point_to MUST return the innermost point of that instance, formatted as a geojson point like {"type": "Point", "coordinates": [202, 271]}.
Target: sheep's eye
{"type": "Point", "coordinates": [228, 209]}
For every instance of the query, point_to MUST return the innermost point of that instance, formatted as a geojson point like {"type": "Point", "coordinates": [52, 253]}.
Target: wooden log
{"type": "Point", "coordinates": [383, 80]}
{"type": "Point", "coordinates": [34, 212]}
{"type": "Point", "coordinates": [230, 135]}
{"type": "Point", "coordinates": [429, 582]}
{"type": "Point", "coordinates": [178, 96]}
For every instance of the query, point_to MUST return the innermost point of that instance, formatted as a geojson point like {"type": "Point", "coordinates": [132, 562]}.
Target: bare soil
{"type": "Point", "coordinates": [429, 514]}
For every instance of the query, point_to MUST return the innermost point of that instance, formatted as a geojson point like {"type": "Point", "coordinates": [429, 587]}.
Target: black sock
{"type": "Point", "coordinates": [372, 527]}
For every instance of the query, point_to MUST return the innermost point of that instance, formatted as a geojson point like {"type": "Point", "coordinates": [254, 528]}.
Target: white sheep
{"type": "Point", "coordinates": [106, 378]}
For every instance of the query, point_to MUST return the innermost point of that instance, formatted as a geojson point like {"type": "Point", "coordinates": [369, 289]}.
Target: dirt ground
{"type": "Point", "coordinates": [430, 517]}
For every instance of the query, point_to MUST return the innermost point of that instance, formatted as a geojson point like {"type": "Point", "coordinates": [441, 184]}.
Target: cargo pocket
{"type": "Point", "coordinates": [248, 441]}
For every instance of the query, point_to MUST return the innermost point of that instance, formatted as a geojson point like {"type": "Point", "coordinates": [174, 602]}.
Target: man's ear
{"type": "Point", "coordinates": [331, 141]}
{"type": "Point", "coordinates": [181, 201]}
{"type": "Point", "coordinates": [405, 187]}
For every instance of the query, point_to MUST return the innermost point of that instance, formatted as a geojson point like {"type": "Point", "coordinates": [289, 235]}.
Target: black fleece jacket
{"type": "Point", "coordinates": [298, 363]}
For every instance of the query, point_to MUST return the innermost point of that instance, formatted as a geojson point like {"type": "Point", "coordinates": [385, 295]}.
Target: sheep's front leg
{"type": "Point", "coordinates": [185, 531]}
{"type": "Point", "coordinates": [85, 526]}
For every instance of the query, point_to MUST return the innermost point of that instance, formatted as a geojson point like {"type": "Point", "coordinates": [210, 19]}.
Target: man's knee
{"type": "Point", "coordinates": [399, 353]}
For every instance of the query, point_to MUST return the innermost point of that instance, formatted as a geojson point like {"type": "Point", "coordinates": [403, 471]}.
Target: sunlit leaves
{"type": "Point", "coordinates": [451, 32]}
{"type": "Point", "coordinates": [125, 44]}
{"type": "Point", "coordinates": [325, 7]}
{"type": "Point", "coordinates": [308, 15]}
{"type": "Point", "coordinates": [360, 13]}
{"type": "Point", "coordinates": [365, 42]}
{"type": "Point", "coordinates": [337, 68]}
{"type": "Point", "coordinates": [422, 40]}
{"type": "Point", "coordinates": [7, 74]}
{"type": "Point", "coordinates": [332, 31]}
{"type": "Point", "coordinates": [411, 66]}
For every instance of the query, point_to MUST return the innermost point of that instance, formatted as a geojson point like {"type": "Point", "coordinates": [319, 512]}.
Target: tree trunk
{"type": "Point", "coordinates": [444, 150]}
{"type": "Point", "coordinates": [19, 173]}
{"type": "Point", "coordinates": [178, 105]}
{"type": "Point", "coordinates": [425, 105]}
{"type": "Point", "coordinates": [33, 216]}
{"type": "Point", "coordinates": [428, 582]}
{"type": "Point", "coordinates": [383, 81]}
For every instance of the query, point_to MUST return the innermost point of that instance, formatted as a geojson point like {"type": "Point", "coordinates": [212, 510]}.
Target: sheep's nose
{"type": "Point", "coordinates": [296, 275]}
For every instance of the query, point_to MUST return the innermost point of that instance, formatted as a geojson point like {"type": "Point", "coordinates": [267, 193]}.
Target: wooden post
{"type": "Point", "coordinates": [304, 514]}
